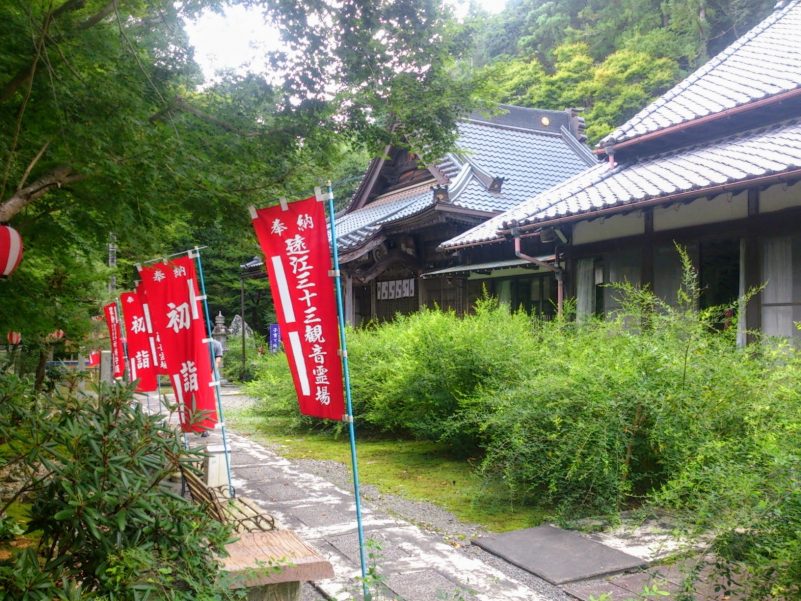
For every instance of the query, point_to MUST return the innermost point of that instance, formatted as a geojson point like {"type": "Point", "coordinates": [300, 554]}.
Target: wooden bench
{"type": "Point", "coordinates": [242, 513]}
{"type": "Point", "coordinates": [269, 563]}
{"type": "Point", "coordinates": [290, 562]}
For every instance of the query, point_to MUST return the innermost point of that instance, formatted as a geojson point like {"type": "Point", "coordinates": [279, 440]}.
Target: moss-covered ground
{"type": "Point", "coordinates": [416, 470]}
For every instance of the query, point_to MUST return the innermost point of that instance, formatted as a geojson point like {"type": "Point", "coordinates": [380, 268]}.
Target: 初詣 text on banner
{"type": "Point", "coordinates": [156, 349]}
{"type": "Point", "coordinates": [113, 323]}
{"type": "Point", "coordinates": [177, 318]}
{"type": "Point", "coordinates": [297, 255]}
{"type": "Point", "coordinates": [141, 346]}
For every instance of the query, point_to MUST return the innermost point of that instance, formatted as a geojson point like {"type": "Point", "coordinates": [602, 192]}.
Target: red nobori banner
{"type": "Point", "coordinates": [297, 255]}
{"type": "Point", "coordinates": [177, 318]}
{"type": "Point", "coordinates": [141, 353]}
{"type": "Point", "coordinates": [154, 342]}
{"type": "Point", "coordinates": [117, 356]}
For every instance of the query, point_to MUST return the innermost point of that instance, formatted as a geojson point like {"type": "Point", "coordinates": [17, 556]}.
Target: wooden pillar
{"type": "Point", "coordinates": [752, 272]}
{"type": "Point", "coordinates": [569, 269]}
{"type": "Point", "coordinates": [373, 300]}
{"type": "Point", "coordinates": [647, 265]}
{"type": "Point", "coordinates": [350, 301]}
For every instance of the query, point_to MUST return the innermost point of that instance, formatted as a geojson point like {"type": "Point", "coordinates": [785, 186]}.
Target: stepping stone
{"type": "Point", "coordinates": [557, 555]}
{"type": "Point", "coordinates": [419, 586]}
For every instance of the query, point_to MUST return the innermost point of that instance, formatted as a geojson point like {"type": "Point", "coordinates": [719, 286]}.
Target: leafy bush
{"type": "Point", "coordinates": [233, 369]}
{"type": "Point", "coordinates": [88, 469]}
{"type": "Point", "coordinates": [655, 405]}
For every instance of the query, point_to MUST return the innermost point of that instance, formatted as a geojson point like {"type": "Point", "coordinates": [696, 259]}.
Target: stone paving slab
{"type": "Point", "coordinates": [277, 491]}
{"type": "Point", "coordinates": [669, 578]}
{"type": "Point", "coordinates": [419, 584]}
{"type": "Point", "coordinates": [584, 589]}
{"type": "Point", "coordinates": [406, 549]}
{"type": "Point", "coordinates": [557, 555]}
{"type": "Point", "coordinates": [382, 547]}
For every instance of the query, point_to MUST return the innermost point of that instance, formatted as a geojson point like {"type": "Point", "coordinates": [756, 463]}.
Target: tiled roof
{"type": "Point", "coordinates": [764, 62]}
{"type": "Point", "coordinates": [357, 227]}
{"type": "Point", "coordinates": [488, 231]}
{"type": "Point", "coordinates": [733, 160]}
{"type": "Point", "coordinates": [529, 159]}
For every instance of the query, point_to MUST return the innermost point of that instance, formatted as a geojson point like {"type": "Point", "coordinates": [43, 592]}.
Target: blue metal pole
{"type": "Point", "coordinates": [214, 371]}
{"type": "Point", "coordinates": [346, 371]}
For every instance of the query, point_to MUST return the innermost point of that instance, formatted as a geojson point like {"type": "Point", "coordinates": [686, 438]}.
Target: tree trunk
{"type": "Point", "coordinates": [40, 370]}
{"type": "Point", "coordinates": [23, 197]}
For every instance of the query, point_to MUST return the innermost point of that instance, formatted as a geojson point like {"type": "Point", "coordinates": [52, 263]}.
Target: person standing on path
{"type": "Point", "coordinates": [218, 354]}
{"type": "Point", "coordinates": [216, 370]}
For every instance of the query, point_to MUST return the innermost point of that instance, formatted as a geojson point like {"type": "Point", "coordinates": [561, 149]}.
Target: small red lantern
{"type": "Point", "coordinates": [14, 338]}
{"type": "Point", "coordinates": [55, 335]}
{"type": "Point", "coordinates": [10, 250]}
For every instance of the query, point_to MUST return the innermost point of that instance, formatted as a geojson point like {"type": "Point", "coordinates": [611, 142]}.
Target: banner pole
{"type": "Point", "coordinates": [346, 372]}
{"type": "Point", "coordinates": [126, 369]}
{"type": "Point", "coordinates": [178, 254]}
{"type": "Point", "coordinates": [196, 255]}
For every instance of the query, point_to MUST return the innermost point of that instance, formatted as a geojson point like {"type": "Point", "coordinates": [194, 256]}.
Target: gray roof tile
{"type": "Point", "coordinates": [530, 160]}
{"type": "Point", "coordinates": [764, 62]}
{"type": "Point", "coordinates": [739, 158]}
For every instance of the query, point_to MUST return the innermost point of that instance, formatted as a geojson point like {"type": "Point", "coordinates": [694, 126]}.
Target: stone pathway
{"type": "Point", "coordinates": [414, 564]}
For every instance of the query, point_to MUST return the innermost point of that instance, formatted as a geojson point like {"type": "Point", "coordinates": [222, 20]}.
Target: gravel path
{"type": "Point", "coordinates": [428, 517]}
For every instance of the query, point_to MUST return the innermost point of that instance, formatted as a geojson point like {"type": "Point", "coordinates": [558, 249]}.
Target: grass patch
{"type": "Point", "coordinates": [418, 470]}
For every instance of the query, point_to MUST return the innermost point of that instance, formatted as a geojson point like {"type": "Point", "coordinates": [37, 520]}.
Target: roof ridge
{"type": "Point", "coordinates": [512, 127]}
{"type": "Point", "coordinates": [517, 107]}
{"type": "Point", "coordinates": [578, 147]}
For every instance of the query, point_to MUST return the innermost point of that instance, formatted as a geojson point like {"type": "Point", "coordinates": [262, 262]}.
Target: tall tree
{"type": "Point", "coordinates": [610, 57]}
{"type": "Point", "coordinates": [103, 127]}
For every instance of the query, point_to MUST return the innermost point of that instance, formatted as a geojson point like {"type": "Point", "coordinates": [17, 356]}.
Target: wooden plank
{"type": "Point", "coordinates": [292, 559]}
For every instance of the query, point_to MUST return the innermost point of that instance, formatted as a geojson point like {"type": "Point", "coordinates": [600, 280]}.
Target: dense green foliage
{"type": "Point", "coordinates": [610, 58]}
{"type": "Point", "coordinates": [86, 475]}
{"type": "Point", "coordinates": [656, 405]}
{"type": "Point", "coordinates": [104, 128]}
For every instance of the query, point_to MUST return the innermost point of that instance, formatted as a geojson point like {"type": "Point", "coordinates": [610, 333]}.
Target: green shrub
{"type": "Point", "coordinates": [655, 405]}
{"type": "Point", "coordinates": [89, 472]}
{"type": "Point", "coordinates": [233, 368]}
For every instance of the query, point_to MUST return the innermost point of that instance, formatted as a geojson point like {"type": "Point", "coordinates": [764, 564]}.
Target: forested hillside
{"type": "Point", "coordinates": [608, 56]}
{"type": "Point", "coordinates": [106, 129]}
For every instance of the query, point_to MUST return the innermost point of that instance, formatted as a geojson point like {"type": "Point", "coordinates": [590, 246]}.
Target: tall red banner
{"type": "Point", "coordinates": [297, 255]}
{"type": "Point", "coordinates": [117, 356]}
{"type": "Point", "coordinates": [156, 349]}
{"type": "Point", "coordinates": [141, 358]}
{"type": "Point", "coordinates": [177, 317]}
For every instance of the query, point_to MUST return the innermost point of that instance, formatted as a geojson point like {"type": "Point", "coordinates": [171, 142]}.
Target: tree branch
{"type": "Point", "coordinates": [98, 16]}
{"type": "Point", "coordinates": [26, 73]}
{"type": "Point", "coordinates": [180, 104]}
{"type": "Point", "coordinates": [31, 165]}
{"type": "Point", "coordinates": [57, 178]}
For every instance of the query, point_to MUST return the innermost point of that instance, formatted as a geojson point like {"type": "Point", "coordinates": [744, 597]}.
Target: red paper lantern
{"type": "Point", "coordinates": [56, 335]}
{"type": "Point", "coordinates": [14, 338]}
{"type": "Point", "coordinates": [10, 250]}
